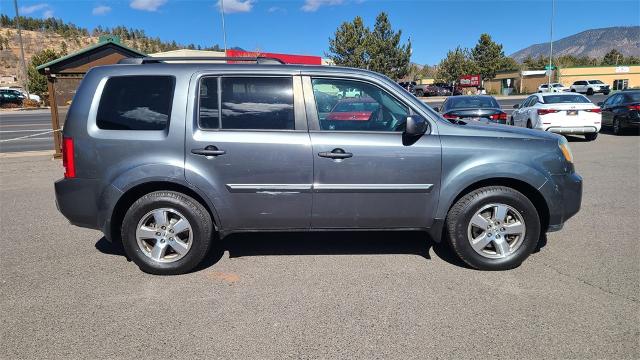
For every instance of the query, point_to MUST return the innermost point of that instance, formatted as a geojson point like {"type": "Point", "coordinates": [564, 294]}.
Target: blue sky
{"type": "Point", "coordinates": [304, 26]}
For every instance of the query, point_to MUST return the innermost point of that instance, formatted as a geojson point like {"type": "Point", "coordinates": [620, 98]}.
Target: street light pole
{"type": "Point", "coordinates": [224, 31]}
{"type": "Point", "coordinates": [24, 63]}
{"type": "Point", "coordinates": [553, 10]}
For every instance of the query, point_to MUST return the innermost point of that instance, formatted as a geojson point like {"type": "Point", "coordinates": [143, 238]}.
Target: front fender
{"type": "Point", "coordinates": [461, 177]}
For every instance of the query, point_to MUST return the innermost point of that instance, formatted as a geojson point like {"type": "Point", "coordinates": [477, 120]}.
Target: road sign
{"type": "Point", "coordinates": [549, 67]}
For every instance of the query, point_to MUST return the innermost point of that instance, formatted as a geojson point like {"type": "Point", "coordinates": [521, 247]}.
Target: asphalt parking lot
{"type": "Point", "coordinates": [66, 293]}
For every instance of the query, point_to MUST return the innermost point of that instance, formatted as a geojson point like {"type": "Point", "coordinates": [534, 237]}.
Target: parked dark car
{"type": "Point", "coordinates": [448, 89]}
{"type": "Point", "coordinates": [482, 108]}
{"type": "Point", "coordinates": [410, 86]}
{"type": "Point", "coordinates": [9, 96]}
{"type": "Point", "coordinates": [162, 156]}
{"type": "Point", "coordinates": [620, 111]}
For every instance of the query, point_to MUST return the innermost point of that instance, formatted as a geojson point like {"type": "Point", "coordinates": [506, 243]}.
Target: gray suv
{"type": "Point", "coordinates": [169, 157]}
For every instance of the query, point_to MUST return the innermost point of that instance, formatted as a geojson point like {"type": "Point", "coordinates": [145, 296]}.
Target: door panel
{"type": "Point", "coordinates": [256, 178]}
{"type": "Point", "coordinates": [385, 184]}
{"type": "Point", "coordinates": [366, 173]}
{"type": "Point", "coordinates": [263, 181]}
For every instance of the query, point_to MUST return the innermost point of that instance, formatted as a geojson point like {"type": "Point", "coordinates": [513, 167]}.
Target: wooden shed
{"type": "Point", "coordinates": [64, 75]}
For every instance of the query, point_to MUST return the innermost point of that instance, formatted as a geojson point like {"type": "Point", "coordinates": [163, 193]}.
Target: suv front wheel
{"type": "Point", "coordinates": [493, 228]}
{"type": "Point", "coordinates": [166, 233]}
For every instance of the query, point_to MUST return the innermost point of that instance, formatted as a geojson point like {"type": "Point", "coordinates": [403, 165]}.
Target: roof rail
{"type": "Point", "coordinates": [148, 60]}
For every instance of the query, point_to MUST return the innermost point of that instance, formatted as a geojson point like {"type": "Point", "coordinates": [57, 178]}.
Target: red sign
{"type": "Point", "coordinates": [287, 58]}
{"type": "Point", "coordinates": [469, 80]}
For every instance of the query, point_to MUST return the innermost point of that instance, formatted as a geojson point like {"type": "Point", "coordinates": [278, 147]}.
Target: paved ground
{"type": "Point", "coordinates": [18, 124]}
{"type": "Point", "coordinates": [32, 126]}
{"type": "Point", "coordinates": [66, 293]}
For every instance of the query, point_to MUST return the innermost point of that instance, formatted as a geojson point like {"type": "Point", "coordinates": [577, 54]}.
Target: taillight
{"type": "Point", "coordinates": [68, 160]}
{"type": "Point", "coordinates": [499, 116]}
{"type": "Point", "coordinates": [449, 116]}
{"type": "Point", "coordinates": [547, 111]}
{"type": "Point", "coordinates": [596, 110]}
{"type": "Point", "coordinates": [634, 107]}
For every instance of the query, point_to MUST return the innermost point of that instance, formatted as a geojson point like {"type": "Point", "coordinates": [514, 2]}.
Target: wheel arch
{"type": "Point", "coordinates": [129, 196]}
{"type": "Point", "coordinates": [523, 187]}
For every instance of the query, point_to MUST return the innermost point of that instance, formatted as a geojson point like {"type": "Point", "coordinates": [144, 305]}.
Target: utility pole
{"type": "Point", "coordinates": [224, 31]}
{"type": "Point", "coordinates": [553, 10]}
{"type": "Point", "coordinates": [24, 63]}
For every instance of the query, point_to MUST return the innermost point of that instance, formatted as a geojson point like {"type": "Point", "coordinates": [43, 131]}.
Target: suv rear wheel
{"type": "Point", "coordinates": [166, 233]}
{"type": "Point", "coordinates": [493, 228]}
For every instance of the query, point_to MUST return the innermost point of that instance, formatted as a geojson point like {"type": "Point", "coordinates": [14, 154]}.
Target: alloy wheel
{"type": "Point", "coordinates": [496, 231]}
{"type": "Point", "coordinates": [164, 235]}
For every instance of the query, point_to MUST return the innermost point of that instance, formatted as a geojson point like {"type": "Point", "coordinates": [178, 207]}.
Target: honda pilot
{"type": "Point", "coordinates": [168, 157]}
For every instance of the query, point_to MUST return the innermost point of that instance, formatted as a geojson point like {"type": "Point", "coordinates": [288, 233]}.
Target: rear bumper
{"type": "Point", "coordinates": [573, 129]}
{"type": "Point", "coordinates": [564, 198]}
{"type": "Point", "coordinates": [76, 200]}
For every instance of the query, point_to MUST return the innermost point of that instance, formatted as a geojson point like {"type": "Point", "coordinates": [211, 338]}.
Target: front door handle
{"type": "Point", "coordinates": [335, 154]}
{"type": "Point", "coordinates": [210, 150]}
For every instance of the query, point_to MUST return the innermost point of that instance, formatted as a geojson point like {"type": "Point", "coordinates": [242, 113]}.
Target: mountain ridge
{"type": "Point", "coordinates": [594, 43]}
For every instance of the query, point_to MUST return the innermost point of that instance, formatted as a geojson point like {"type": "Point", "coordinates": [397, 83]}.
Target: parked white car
{"type": "Point", "coordinates": [562, 113]}
{"type": "Point", "coordinates": [553, 87]}
{"type": "Point", "coordinates": [590, 87]}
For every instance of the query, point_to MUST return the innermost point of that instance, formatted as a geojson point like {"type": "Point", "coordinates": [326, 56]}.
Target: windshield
{"type": "Point", "coordinates": [565, 99]}
{"type": "Point", "coordinates": [471, 102]}
{"type": "Point", "coordinates": [595, 82]}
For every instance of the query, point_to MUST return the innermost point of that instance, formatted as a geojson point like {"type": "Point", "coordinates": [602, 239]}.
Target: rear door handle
{"type": "Point", "coordinates": [210, 150]}
{"type": "Point", "coordinates": [335, 154]}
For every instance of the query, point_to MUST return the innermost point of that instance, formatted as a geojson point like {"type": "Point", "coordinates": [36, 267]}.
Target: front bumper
{"type": "Point", "coordinates": [564, 198]}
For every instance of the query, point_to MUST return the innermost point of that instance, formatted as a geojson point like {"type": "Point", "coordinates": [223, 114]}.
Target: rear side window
{"type": "Point", "coordinates": [257, 103]}
{"type": "Point", "coordinates": [136, 103]}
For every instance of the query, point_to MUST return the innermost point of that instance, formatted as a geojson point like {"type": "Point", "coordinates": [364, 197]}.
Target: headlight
{"type": "Point", "coordinates": [566, 150]}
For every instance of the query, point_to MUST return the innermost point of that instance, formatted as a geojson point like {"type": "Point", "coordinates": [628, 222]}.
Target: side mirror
{"type": "Point", "coordinates": [436, 109]}
{"type": "Point", "coordinates": [416, 125]}
{"type": "Point", "coordinates": [516, 106]}
{"type": "Point", "coordinates": [600, 103]}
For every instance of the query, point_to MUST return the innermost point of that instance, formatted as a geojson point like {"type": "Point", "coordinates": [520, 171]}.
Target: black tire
{"type": "Point", "coordinates": [511, 121]}
{"type": "Point", "coordinates": [192, 210]}
{"type": "Point", "coordinates": [590, 136]}
{"type": "Point", "coordinates": [529, 126]}
{"type": "Point", "coordinates": [617, 128]}
{"type": "Point", "coordinates": [573, 90]}
{"type": "Point", "coordinates": [605, 93]}
{"type": "Point", "coordinates": [464, 209]}
{"type": "Point", "coordinates": [589, 91]}
{"type": "Point", "coordinates": [419, 93]}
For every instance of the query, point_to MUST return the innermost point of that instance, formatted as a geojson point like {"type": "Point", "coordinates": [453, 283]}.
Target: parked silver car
{"type": "Point", "coordinates": [161, 156]}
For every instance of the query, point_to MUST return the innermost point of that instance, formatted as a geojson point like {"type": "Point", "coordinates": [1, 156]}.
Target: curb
{"type": "Point", "coordinates": [12, 155]}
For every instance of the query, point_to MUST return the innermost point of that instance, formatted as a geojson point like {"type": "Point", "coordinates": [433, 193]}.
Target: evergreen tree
{"type": "Point", "coordinates": [613, 57]}
{"type": "Point", "coordinates": [488, 56]}
{"type": "Point", "coordinates": [348, 47]}
{"type": "Point", "coordinates": [458, 62]}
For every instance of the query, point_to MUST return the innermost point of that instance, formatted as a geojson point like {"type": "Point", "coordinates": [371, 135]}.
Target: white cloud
{"type": "Point", "coordinates": [313, 5]}
{"type": "Point", "coordinates": [236, 6]}
{"type": "Point", "coordinates": [26, 10]}
{"type": "Point", "coordinates": [101, 10]}
{"type": "Point", "coordinates": [147, 5]}
{"type": "Point", "coordinates": [47, 14]}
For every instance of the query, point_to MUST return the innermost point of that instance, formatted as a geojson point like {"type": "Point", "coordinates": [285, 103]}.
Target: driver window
{"type": "Point", "coordinates": [357, 106]}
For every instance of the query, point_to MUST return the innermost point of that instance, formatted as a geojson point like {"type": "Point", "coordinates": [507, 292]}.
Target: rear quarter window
{"type": "Point", "coordinates": [136, 103]}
